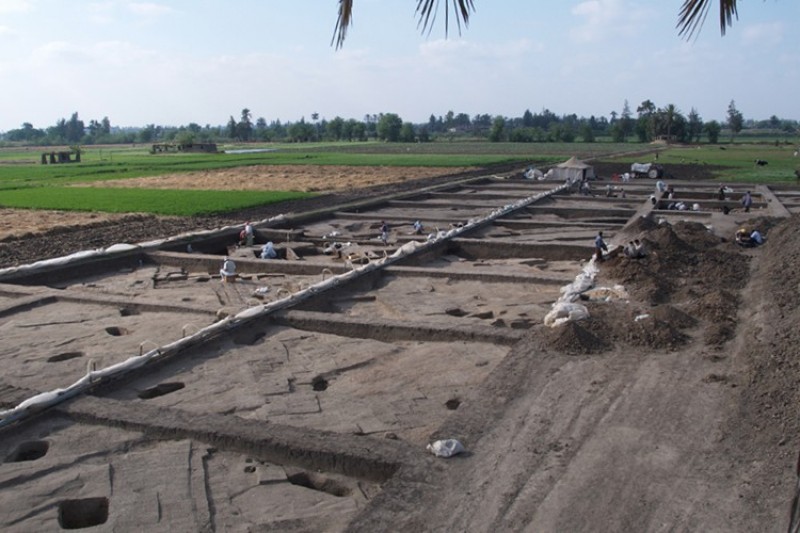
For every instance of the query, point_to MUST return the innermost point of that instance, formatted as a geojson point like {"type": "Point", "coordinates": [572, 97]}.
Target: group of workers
{"type": "Point", "coordinates": [635, 249]}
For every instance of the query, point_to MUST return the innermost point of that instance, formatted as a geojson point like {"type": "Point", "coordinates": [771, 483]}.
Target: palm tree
{"type": "Point", "coordinates": [670, 112]}
{"type": "Point", "coordinates": [690, 18]}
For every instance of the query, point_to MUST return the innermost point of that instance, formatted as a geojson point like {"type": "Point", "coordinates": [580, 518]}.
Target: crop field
{"type": "Point", "coordinates": [26, 183]}
{"type": "Point", "coordinates": [137, 200]}
{"type": "Point", "coordinates": [736, 162]}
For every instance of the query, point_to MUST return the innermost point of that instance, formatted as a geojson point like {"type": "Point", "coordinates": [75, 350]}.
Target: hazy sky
{"type": "Point", "coordinates": [176, 62]}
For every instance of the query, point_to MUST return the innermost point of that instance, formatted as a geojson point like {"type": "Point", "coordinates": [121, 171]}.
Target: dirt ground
{"type": "Point", "coordinates": [674, 410]}
{"type": "Point", "coordinates": [689, 391]}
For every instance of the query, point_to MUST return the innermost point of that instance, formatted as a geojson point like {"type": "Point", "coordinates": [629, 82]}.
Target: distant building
{"type": "Point", "coordinates": [206, 148]}
{"type": "Point", "coordinates": [54, 158]}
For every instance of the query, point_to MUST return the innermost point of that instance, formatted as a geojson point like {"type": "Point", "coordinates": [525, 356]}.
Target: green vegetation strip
{"type": "Point", "coordinates": [155, 201]}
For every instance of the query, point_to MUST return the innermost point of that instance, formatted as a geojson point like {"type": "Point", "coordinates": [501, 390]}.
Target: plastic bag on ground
{"type": "Point", "coordinates": [446, 448]}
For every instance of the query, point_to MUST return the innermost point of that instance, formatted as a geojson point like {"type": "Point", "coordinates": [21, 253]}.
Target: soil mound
{"type": "Point", "coordinates": [620, 323]}
{"type": "Point", "coordinates": [674, 316]}
{"type": "Point", "coordinates": [575, 339]}
{"type": "Point", "coordinates": [696, 235]}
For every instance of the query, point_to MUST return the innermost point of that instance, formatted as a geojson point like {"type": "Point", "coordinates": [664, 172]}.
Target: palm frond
{"type": "Point", "coordinates": [344, 20]}
{"type": "Point", "coordinates": [693, 14]}
{"type": "Point", "coordinates": [427, 10]}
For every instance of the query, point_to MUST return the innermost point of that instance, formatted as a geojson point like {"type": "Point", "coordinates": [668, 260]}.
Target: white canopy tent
{"type": "Point", "coordinates": [573, 169]}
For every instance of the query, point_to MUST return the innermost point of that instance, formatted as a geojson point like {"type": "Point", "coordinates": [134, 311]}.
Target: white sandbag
{"type": "Point", "coordinates": [563, 312]}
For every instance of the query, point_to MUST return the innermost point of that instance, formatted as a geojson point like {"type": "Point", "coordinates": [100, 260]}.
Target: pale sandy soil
{"type": "Point", "coordinates": [20, 222]}
{"type": "Point", "coordinates": [285, 177]}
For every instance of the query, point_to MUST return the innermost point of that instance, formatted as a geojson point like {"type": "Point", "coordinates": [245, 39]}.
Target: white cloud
{"type": "Point", "coordinates": [769, 33]}
{"type": "Point", "coordinates": [609, 19]}
{"type": "Point", "coordinates": [15, 6]}
{"type": "Point", "coordinates": [149, 9]}
{"type": "Point", "coordinates": [103, 54]}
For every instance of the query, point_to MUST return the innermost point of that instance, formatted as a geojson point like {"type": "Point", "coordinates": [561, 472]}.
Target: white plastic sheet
{"type": "Point", "coordinates": [446, 448]}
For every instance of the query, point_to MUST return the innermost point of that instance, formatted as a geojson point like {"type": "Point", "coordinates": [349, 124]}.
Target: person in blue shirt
{"type": "Point", "coordinates": [747, 201]}
{"type": "Point", "coordinates": [599, 246]}
{"type": "Point", "coordinates": [268, 251]}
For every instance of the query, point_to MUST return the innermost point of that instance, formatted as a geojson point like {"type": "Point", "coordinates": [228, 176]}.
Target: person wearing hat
{"type": "Point", "coordinates": [743, 237]}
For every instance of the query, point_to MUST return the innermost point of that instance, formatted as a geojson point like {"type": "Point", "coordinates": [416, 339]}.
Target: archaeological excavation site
{"type": "Point", "coordinates": [148, 387]}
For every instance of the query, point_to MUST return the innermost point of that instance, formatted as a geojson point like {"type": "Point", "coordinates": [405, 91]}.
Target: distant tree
{"type": "Point", "coordinates": [423, 136]}
{"type": "Point", "coordinates": [232, 130]}
{"type": "Point", "coordinates": [185, 136]}
{"type": "Point", "coordinates": [26, 133]}
{"type": "Point", "coordinates": [627, 120]}
{"type": "Point", "coordinates": [695, 126]}
{"type": "Point", "coordinates": [315, 118]}
{"type": "Point", "coordinates": [147, 134]}
{"type": "Point", "coordinates": [335, 128]}
{"type": "Point", "coordinates": [617, 133]}
{"type": "Point", "coordinates": [432, 122]}
{"type": "Point", "coordinates": [497, 133]}
{"type": "Point", "coordinates": [527, 119]}
{"type": "Point", "coordinates": [587, 133]}
{"type": "Point", "coordinates": [244, 129]}
{"type": "Point", "coordinates": [670, 114]}
{"type": "Point", "coordinates": [301, 131]}
{"type": "Point", "coordinates": [481, 124]}
{"type": "Point", "coordinates": [646, 125]}
{"type": "Point", "coordinates": [735, 119]}
{"type": "Point", "coordinates": [75, 129]}
{"type": "Point", "coordinates": [358, 130]}
{"type": "Point", "coordinates": [105, 126]}
{"type": "Point", "coordinates": [388, 127]}
{"type": "Point", "coordinates": [712, 130]}
{"type": "Point", "coordinates": [462, 121]}
{"type": "Point", "coordinates": [449, 119]}
{"type": "Point", "coordinates": [407, 134]}
{"type": "Point", "coordinates": [614, 115]}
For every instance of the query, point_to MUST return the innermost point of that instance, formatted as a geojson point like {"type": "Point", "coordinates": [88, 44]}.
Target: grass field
{"type": "Point", "coordinates": [26, 183]}
{"type": "Point", "coordinates": [159, 202]}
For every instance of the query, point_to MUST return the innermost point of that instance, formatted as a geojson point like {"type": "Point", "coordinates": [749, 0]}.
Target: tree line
{"type": "Point", "coordinates": [649, 123]}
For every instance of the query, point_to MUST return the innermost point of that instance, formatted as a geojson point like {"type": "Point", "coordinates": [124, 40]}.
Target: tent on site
{"type": "Point", "coordinates": [573, 169]}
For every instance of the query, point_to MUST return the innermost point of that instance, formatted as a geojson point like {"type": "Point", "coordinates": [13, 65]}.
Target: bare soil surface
{"type": "Point", "coordinates": [676, 410]}
{"type": "Point", "coordinates": [324, 179]}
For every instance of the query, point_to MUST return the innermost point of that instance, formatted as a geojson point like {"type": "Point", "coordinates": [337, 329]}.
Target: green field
{"type": "Point", "coordinates": [735, 162]}
{"type": "Point", "coordinates": [25, 183]}
{"type": "Point", "coordinates": [156, 201]}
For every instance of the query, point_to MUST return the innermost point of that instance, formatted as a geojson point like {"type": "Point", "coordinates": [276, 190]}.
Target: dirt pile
{"type": "Point", "coordinates": [689, 278]}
